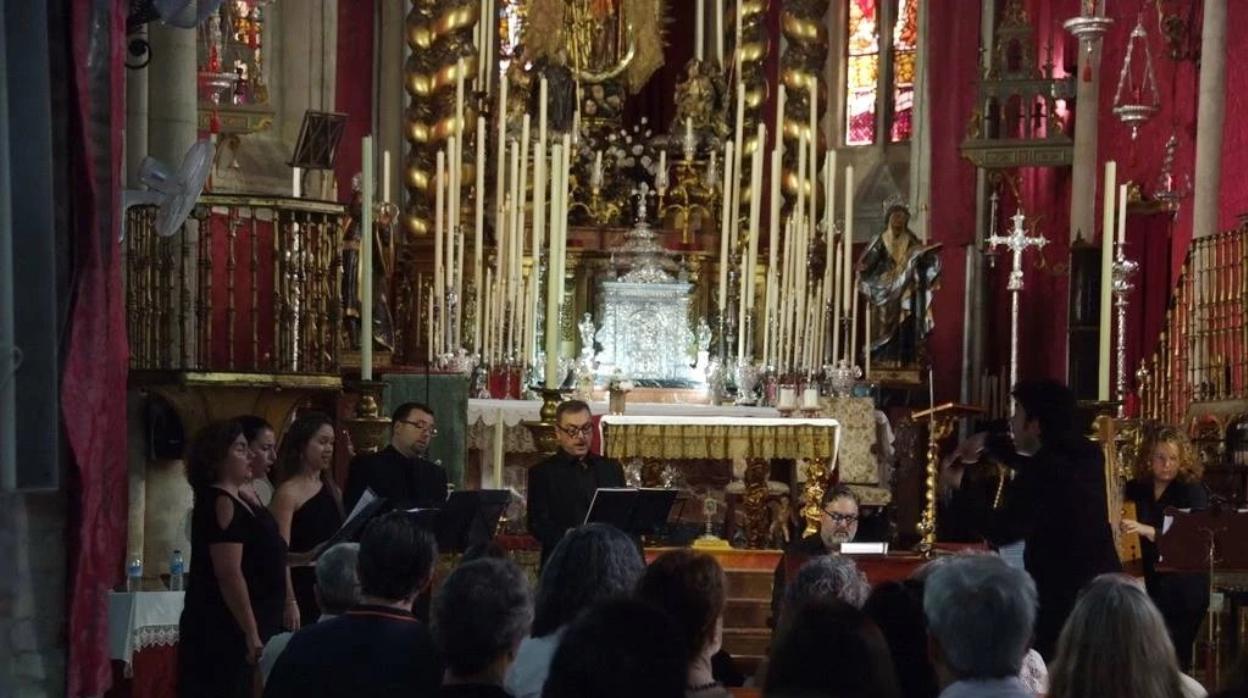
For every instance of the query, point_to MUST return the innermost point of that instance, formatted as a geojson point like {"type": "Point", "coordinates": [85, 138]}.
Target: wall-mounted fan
{"type": "Point", "coordinates": [185, 14]}
{"type": "Point", "coordinates": [175, 192]}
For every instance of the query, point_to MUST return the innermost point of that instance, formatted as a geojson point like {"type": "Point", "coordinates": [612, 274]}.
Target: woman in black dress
{"type": "Point", "coordinates": [1172, 480]}
{"type": "Point", "coordinates": [237, 584]}
{"type": "Point", "coordinates": [307, 504]}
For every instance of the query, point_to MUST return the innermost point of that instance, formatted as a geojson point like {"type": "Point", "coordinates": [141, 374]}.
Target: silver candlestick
{"type": "Point", "coordinates": [1122, 271]}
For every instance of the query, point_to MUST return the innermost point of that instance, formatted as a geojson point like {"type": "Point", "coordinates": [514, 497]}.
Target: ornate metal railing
{"type": "Point", "coordinates": [248, 284]}
{"type": "Point", "coordinates": [1202, 354]}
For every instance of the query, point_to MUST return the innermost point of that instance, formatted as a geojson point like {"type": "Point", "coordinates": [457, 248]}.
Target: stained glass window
{"type": "Point", "coordinates": [862, 72]}
{"type": "Point", "coordinates": [905, 49]}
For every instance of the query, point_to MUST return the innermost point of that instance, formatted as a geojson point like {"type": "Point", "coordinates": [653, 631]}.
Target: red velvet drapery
{"type": "Point", "coordinates": [97, 355]}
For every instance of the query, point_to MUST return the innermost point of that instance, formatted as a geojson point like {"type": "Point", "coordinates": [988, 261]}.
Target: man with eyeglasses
{"type": "Point", "coordinates": [400, 472]}
{"type": "Point", "coordinates": [562, 486]}
{"type": "Point", "coordinates": [839, 524]}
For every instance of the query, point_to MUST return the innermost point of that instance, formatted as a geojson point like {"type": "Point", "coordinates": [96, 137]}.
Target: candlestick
{"type": "Point", "coordinates": [366, 262]}
{"type": "Point", "coordinates": [1107, 261]}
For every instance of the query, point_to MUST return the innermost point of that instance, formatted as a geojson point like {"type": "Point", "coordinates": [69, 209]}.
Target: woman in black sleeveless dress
{"type": "Point", "coordinates": [307, 504]}
{"type": "Point", "coordinates": [1171, 479]}
{"type": "Point", "coordinates": [237, 584]}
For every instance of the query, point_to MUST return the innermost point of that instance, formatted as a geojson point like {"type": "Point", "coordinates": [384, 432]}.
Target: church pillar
{"type": "Point", "coordinates": [173, 105]}
{"type": "Point", "coordinates": [1083, 170]}
{"type": "Point", "coordinates": [1210, 114]}
{"type": "Point", "coordinates": [136, 121]}
{"type": "Point", "coordinates": [973, 300]}
{"type": "Point", "coordinates": [921, 137]}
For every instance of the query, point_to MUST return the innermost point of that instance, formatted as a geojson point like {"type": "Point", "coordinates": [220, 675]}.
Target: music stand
{"type": "Point", "coordinates": [317, 146]}
{"type": "Point", "coordinates": [1208, 542]}
{"type": "Point", "coordinates": [470, 517]}
{"type": "Point", "coordinates": [639, 512]}
{"type": "Point", "coordinates": [353, 528]}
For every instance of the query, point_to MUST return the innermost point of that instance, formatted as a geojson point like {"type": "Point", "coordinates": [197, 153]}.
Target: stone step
{"type": "Point", "coordinates": [747, 613]}
{"type": "Point", "coordinates": [747, 642]}
{"type": "Point", "coordinates": [749, 584]}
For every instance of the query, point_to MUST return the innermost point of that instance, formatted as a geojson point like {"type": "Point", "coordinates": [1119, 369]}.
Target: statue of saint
{"type": "Point", "coordinates": [898, 274]}
{"type": "Point", "coordinates": [560, 92]}
{"type": "Point", "coordinates": [352, 274]}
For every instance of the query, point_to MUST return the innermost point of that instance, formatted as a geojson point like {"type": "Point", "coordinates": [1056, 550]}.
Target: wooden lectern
{"type": "Point", "coordinates": [941, 419]}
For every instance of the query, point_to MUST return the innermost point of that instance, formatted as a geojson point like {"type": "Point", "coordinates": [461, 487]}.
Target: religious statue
{"type": "Point", "coordinates": [560, 92]}
{"type": "Point", "coordinates": [781, 514]}
{"type": "Point", "coordinates": [700, 99]}
{"type": "Point", "coordinates": [898, 274]}
{"type": "Point", "coordinates": [353, 274]}
{"type": "Point", "coordinates": [522, 98]}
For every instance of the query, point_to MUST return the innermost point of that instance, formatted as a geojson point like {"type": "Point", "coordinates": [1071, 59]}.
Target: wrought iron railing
{"type": "Point", "coordinates": [1202, 354]}
{"type": "Point", "coordinates": [248, 284]}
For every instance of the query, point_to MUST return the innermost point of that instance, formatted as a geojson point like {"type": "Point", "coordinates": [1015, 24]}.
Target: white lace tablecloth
{"type": "Point", "coordinates": [142, 619]}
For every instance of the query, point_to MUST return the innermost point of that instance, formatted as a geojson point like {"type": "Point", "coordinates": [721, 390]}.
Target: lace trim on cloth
{"type": "Point", "coordinates": [678, 441]}
{"type": "Point", "coordinates": [155, 636]}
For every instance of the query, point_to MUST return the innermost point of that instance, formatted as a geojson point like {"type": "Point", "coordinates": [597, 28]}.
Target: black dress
{"type": "Point", "coordinates": [312, 524]}
{"type": "Point", "coordinates": [212, 650]}
{"type": "Point", "coordinates": [1181, 597]}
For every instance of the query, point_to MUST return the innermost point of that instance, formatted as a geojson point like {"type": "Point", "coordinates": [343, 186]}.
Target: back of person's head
{"type": "Point", "coordinates": [825, 578]}
{"type": "Point", "coordinates": [253, 426]}
{"type": "Point", "coordinates": [591, 563]}
{"type": "Point", "coordinates": [830, 648]}
{"type": "Point", "coordinates": [396, 558]}
{"type": "Point", "coordinates": [689, 586]}
{"type": "Point", "coordinates": [337, 579]}
{"type": "Point", "coordinates": [980, 611]}
{"type": "Point", "coordinates": [620, 648]}
{"type": "Point", "coordinates": [897, 608]}
{"type": "Point", "coordinates": [1114, 645]}
{"type": "Point", "coordinates": [1052, 404]}
{"type": "Point", "coordinates": [481, 613]}
{"type": "Point", "coordinates": [208, 451]}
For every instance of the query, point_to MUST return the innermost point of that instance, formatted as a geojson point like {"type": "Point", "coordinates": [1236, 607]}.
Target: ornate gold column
{"type": "Point", "coordinates": [801, 68]}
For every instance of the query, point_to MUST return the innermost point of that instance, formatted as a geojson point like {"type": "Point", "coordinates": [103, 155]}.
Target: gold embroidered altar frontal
{"type": "Point", "coordinates": [718, 438]}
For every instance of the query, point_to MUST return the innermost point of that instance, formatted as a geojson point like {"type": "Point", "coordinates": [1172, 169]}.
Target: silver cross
{"type": "Point", "coordinates": [1017, 241]}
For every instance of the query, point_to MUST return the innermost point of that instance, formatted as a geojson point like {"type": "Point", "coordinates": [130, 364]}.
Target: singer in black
{"type": "Point", "coordinates": [562, 486]}
{"type": "Point", "coordinates": [1056, 503]}
{"type": "Point", "coordinates": [400, 472]}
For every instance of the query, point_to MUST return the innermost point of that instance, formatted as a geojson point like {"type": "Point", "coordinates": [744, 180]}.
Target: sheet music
{"type": "Point", "coordinates": [365, 499]}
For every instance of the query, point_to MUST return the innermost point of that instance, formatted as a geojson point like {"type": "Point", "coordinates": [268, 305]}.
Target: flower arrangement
{"type": "Point", "coordinates": [618, 383]}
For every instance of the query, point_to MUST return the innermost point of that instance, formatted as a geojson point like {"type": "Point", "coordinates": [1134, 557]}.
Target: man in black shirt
{"type": "Point", "coordinates": [839, 524]}
{"type": "Point", "coordinates": [400, 473]}
{"type": "Point", "coordinates": [1056, 503]}
{"type": "Point", "coordinates": [377, 648]}
{"type": "Point", "coordinates": [562, 486]}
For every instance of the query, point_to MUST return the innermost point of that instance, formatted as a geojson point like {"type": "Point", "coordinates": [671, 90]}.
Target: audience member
{"type": "Point", "coordinates": [237, 583]}
{"type": "Point", "coordinates": [590, 564]}
{"type": "Point", "coordinates": [377, 648]}
{"type": "Point", "coordinates": [825, 578]}
{"type": "Point", "coordinates": [480, 616]}
{"type": "Point", "coordinates": [689, 586]}
{"type": "Point", "coordinates": [263, 444]}
{"type": "Point", "coordinates": [1115, 645]}
{"type": "Point", "coordinates": [1172, 480]}
{"type": "Point", "coordinates": [980, 614]}
{"type": "Point", "coordinates": [337, 591]}
{"type": "Point", "coordinates": [307, 503]}
{"type": "Point", "coordinates": [620, 648]}
{"type": "Point", "coordinates": [838, 524]}
{"type": "Point", "coordinates": [897, 608]}
{"type": "Point", "coordinates": [830, 648]}
{"type": "Point", "coordinates": [400, 472]}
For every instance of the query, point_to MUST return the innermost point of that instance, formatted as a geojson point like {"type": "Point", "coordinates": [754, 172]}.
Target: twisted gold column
{"type": "Point", "coordinates": [801, 71]}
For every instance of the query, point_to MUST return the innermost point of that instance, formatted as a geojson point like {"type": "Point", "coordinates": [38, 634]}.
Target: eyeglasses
{"type": "Point", "coordinates": [841, 518]}
{"type": "Point", "coordinates": [573, 432]}
{"type": "Point", "coordinates": [420, 426]}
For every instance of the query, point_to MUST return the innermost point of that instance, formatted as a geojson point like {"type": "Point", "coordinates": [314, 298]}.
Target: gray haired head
{"type": "Point", "coordinates": [482, 611]}
{"type": "Point", "coordinates": [337, 582]}
{"type": "Point", "coordinates": [594, 562]}
{"type": "Point", "coordinates": [981, 612]}
{"type": "Point", "coordinates": [825, 578]}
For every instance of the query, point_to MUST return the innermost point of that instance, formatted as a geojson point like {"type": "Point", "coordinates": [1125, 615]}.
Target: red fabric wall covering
{"type": "Point", "coordinates": [245, 358]}
{"type": "Point", "coordinates": [96, 358]}
{"type": "Point", "coordinates": [354, 87]}
{"type": "Point", "coordinates": [954, 59]}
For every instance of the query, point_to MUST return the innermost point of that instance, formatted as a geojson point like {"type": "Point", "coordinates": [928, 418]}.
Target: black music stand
{"type": "Point", "coordinates": [636, 511]}
{"type": "Point", "coordinates": [468, 517]}
{"type": "Point", "coordinates": [1207, 542]}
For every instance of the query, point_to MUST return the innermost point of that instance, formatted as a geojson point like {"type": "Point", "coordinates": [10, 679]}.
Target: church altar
{"type": "Point", "coordinates": [704, 437]}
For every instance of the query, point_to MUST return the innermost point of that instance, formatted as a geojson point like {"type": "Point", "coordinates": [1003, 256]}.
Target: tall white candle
{"type": "Point", "coordinates": [719, 33]}
{"type": "Point", "coordinates": [866, 344]}
{"type": "Point", "coordinates": [478, 234]}
{"type": "Point", "coordinates": [700, 23]}
{"type": "Point", "coordinates": [439, 272]}
{"type": "Point", "coordinates": [662, 167]}
{"type": "Point", "coordinates": [542, 91]}
{"type": "Point", "coordinates": [499, 427]}
{"type": "Point", "coordinates": [773, 249]}
{"type": "Point", "coordinates": [596, 178]}
{"type": "Point", "coordinates": [385, 176]}
{"type": "Point", "coordinates": [848, 258]}
{"type": "Point", "coordinates": [366, 263]}
{"type": "Point", "coordinates": [296, 182]}
{"type": "Point", "coordinates": [834, 260]}
{"type": "Point", "coordinates": [853, 326]}
{"type": "Point", "coordinates": [1107, 262]}
{"type": "Point", "coordinates": [725, 231]}
{"type": "Point", "coordinates": [554, 284]}
{"type": "Point", "coordinates": [500, 178]}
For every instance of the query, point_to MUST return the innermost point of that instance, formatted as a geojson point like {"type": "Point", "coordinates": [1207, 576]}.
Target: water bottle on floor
{"type": "Point", "coordinates": [134, 575]}
{"type": "Point", "coordinates": [177, 568]}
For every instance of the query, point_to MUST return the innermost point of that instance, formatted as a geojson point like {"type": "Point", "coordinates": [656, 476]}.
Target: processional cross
{"type": "Point", "coordinates": [1017, 241]}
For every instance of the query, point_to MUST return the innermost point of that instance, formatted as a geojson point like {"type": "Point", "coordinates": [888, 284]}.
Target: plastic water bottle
{"type": "Point", "coordinates": [177, 568]}
{"type": "Point", "coordinates": [134, 575]}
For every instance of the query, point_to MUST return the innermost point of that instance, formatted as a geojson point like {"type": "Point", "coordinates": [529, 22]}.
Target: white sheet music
{"type": "Point", "coordinates": [365, 499]}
